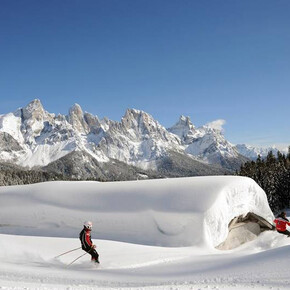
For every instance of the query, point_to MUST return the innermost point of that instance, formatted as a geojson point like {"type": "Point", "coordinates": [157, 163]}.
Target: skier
{"type": "Point", "coordinates": [87, 244]}
{"type": "Point", "coordinates": [281, 222]}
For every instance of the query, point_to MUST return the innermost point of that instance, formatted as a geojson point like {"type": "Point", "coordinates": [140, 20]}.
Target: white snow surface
{"type": "Point", "coordinates": [10, 124]}
{"type": "Point", "coordinates": [153, 234]}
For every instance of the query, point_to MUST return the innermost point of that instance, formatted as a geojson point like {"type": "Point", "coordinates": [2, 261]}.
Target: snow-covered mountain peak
{"type": "Point", "coordinates": [186, 121]}
{"type": "Point", "coordinates": [184, 129]}
{"type": "Point", "coordinates": [140, 122]}
{"type": "Point", "coordinates": [133, 115]}
{"type": "Point", "coordinates": [33, 118]}
{"type": "Point", "coordinates": [34, 110]}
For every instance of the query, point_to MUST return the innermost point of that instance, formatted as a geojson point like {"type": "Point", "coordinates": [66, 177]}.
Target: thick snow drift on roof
{"type": "Point", "coordinates": [168, 212]}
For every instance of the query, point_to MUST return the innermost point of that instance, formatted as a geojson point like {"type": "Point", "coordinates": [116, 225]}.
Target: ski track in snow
{"type": "Point", "coordinates": [129, 266]}
{"type": "Point", "coordinates": [258, 264]}
{"type": "Point", "coordinates": [27, 258]}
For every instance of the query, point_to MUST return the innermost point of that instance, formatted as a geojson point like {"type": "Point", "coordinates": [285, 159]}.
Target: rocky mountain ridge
{"type": "Point", "coordinates": [33, 138]}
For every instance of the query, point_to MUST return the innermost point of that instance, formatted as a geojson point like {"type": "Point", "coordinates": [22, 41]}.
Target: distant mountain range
{"type": "Point", "coordinates": [82, 146]}
{"type": "Point", "coordinates": [252, 152]}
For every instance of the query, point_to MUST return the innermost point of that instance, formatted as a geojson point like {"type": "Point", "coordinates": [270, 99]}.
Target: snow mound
{"type": "Point", "coordinates": [168, 212]}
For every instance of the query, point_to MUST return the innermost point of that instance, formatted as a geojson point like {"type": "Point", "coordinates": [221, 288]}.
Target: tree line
{"type": "Point", "coordinates": [13, 175]}
{"type": "Point", "coordinates": [273, 175]}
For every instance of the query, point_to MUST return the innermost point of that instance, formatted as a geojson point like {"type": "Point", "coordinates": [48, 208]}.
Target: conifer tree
{"type": "Point", "coordinates": [273, 175]}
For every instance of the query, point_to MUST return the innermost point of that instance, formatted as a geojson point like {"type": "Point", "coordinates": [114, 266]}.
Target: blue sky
{"type": "Point", "coordinates": [209, 60]}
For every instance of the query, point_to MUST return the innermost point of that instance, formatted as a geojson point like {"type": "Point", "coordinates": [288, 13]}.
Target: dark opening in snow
{"type": "Point", "coordinates": [244, 228]}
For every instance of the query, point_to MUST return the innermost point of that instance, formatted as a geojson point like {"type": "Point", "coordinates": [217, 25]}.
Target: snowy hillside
{"type": "Point", "coordinates": [41, 221]}
{"type": "Point", "coordinates": [40, 139]}
{"type": "Point", "coordinates": [169, 212]}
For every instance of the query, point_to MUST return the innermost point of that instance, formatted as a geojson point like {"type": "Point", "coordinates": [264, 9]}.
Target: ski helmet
{"type": "Point", "coordinates": [88, 225]}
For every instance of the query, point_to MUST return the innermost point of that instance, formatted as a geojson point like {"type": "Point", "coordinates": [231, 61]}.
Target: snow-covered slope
{"type": "Point", "coordinates": [28, 263]}
{"type": "Point", "coordinates": [169, 212]}
{"type": "Point", "coordinates": [204, 204]}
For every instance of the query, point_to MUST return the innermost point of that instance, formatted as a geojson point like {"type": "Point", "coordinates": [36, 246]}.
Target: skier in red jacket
{"type": "Point", "coordinates": [281, 222]}
{"type": "Point", "coordinates": [87, 244]}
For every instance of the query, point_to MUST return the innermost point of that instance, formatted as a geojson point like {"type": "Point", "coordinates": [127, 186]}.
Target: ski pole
{"type": "Point", "coordinates": [67, 252]}
{"type": "Point", "coordinates": [76, 259]}
{"type": "Point", "coordinates": [79, 257]}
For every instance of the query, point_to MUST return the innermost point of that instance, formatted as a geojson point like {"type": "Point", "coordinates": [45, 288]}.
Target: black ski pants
{"type": "Point", "coordinates": [287, 233]}
{"type": "Point", "coordinates": [93, 253]}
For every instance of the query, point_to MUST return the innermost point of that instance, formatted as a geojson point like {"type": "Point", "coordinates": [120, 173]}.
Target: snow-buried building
{"type": "Point", "coordinates": [166, 212]}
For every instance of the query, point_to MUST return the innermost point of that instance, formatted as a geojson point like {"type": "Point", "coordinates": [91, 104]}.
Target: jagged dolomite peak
{"type": "Point", "coordinates": [93, 123]}
{"type": "Point", "coordinates": [184, 129]}
{"type": "Point", "coordinates": [34, 110]}
{"type": "Point", "coordinates": [34, 117]}
{"type": "Point", "coordinates": [145, 126]}
{"type": "Point", "coordinates": [76, 119]}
